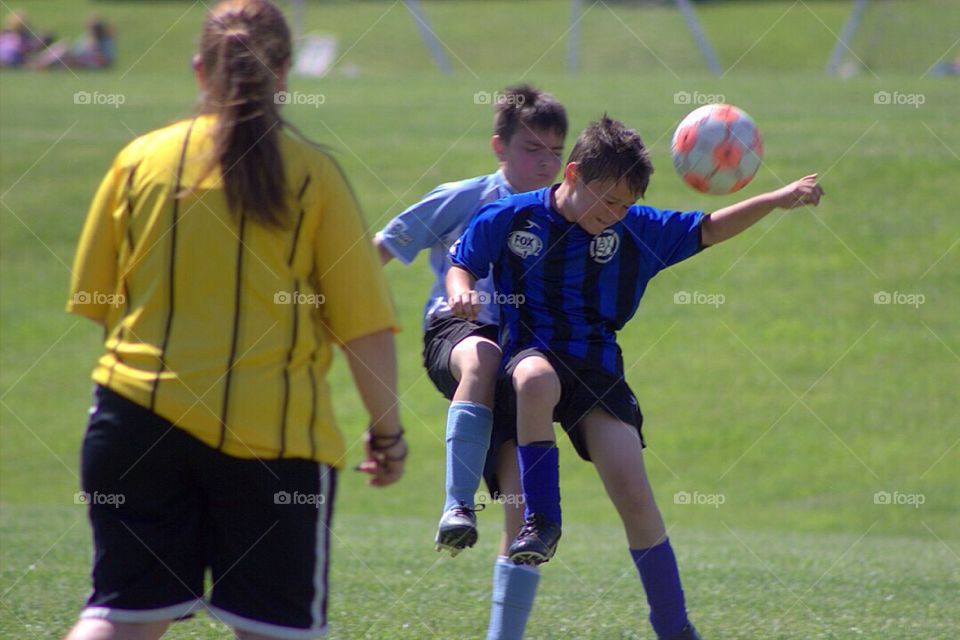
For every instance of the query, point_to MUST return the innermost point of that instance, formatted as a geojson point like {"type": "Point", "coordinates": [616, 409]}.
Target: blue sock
{"type": "Point", "coordinates": [540, 479]}
{"type": "Point", "coordinates": [468, 437]}
{"type": "Point", "coordinates": [661, 580]}
{"type": "Point", "coordinates": [514, 589]}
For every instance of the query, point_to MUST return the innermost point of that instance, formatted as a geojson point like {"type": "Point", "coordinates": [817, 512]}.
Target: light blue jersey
{"type": "Point", "coordinates": [435, 223]}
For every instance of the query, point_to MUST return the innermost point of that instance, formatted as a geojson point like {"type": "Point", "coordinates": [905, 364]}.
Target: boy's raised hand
{"type": "Point", "coordinates": [804, 191]}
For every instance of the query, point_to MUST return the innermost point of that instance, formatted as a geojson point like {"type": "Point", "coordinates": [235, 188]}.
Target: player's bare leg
{"type": "Point", "coordinates": [99, 629]}
{"type": "Point", "coordinates": [617, 453]}
{"type": "Point", "coordinates": [538, 392]}
{"type": "Point", "coordinates": [474, 362]}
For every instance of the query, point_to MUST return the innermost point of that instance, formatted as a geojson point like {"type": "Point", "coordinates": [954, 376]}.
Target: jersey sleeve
{"type": "Point", "coordinates": [427, 222]}
{"type": "Point", "coordinates": [94, 277]}
{"type": "Point", "coordinates": [672, 236]}
{"type": "Point", "coordinates": [356, 300]}
{"type": "Point", "coordinates": [482, 241]}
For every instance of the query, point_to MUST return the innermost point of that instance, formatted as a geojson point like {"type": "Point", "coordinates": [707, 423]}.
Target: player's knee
{"type": "Point", "coordinates": [477, 361]}
{"type": "Point", "coordinates": [487, 361]}
{"type": "Point", "coordinates": [534, 379]}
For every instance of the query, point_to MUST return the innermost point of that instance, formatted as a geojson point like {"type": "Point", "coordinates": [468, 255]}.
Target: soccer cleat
{"type": "Point", "coordinates": [688, 633]}
{"type": "Point", "coordinates": [537, 541]}
{"type": "Point", "coordinates": [457, 529]}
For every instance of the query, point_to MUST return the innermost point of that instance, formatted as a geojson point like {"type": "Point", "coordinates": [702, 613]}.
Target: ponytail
{"type": "Point", "coordinates": [244, 49]}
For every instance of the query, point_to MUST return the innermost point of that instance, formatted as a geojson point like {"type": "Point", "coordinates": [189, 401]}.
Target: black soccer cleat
{"type": "Point", "coordinates": [687, 633]}
{"type": "Point", "coordinates": [537, 541]}
{"type": "Point", "coordinates": [457, 529]}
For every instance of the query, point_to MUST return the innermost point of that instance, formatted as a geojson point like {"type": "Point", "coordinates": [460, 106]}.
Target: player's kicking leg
{"type": "Point", "coordinates": [617, 453]}
{"type": "Point", "coordinates": [100, 629]}
{"type": "Point", "coordinates": [473, 363]}
{"type": "Point", "coordinates": [538, 391]}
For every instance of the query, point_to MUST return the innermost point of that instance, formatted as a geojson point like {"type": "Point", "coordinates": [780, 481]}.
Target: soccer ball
{"type": "Point", "coordinates": [717, 149]}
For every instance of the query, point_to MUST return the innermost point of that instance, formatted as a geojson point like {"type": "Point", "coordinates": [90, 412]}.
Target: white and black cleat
{"type": "Point", "coordinates": [457, 529]}
{"type": "Point", "coordinates": [536, 543]}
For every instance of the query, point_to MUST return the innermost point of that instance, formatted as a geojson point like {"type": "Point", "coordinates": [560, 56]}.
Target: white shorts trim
{"type": "Point", "coordinates": [265, 628]}
{"type": "Point", "coordinates": [143, 615]}
{"type": "Point", "coordinates": [320, 553]}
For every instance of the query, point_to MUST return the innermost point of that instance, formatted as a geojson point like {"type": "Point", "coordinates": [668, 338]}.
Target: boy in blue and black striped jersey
{"type": "Point", "coordinates": [461, 356]}
{"type": "Point", "coordinates": [576, 258]}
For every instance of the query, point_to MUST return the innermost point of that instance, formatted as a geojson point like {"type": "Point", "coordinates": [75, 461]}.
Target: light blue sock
{"type": "Point", "coordinates": [514, 589]}
{"type": "Point", "coordinates": [468, 437]}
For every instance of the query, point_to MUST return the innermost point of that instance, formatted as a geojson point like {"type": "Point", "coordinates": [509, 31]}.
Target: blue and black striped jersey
{"type": "Point", "coordinates": [561, 289]}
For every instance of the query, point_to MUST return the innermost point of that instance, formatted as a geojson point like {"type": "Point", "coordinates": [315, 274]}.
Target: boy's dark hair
{"type": "Point", "coordinates": [522, 104]}
{"type": "Point", "coordinates": [608, 150]}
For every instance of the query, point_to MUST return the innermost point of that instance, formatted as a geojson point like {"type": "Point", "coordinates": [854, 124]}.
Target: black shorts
{"type": "Point", "coordinates": [584, 386]}
{"type": "Point", "coordinates": [440, 337]}
{"type": "Point", "coordinates": [166, 507]}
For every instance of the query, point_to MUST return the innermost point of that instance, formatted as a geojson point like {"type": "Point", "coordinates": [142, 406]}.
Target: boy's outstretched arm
{"type": "Point", "coordinates": [463, 298]}
{"type": "Point", "coordinates": [727, 222]}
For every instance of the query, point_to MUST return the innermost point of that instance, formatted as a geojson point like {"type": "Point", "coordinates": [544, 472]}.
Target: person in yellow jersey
{"type": "Point", "coordinates": [225, 258]}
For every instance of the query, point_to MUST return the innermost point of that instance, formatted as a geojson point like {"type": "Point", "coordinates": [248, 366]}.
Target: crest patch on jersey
{"type": "Point", "coordinates": [524, 243]}
{"type": "Point", "coordinates": [604, 246]}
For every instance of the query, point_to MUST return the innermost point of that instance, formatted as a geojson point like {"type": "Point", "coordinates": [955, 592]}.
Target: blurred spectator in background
{"type": "Point", "coordinates": [95, 50]}
{"type": "Point", "coordinates": [947, 68]}
{"type": "Point", "coordinates": [18, 41]}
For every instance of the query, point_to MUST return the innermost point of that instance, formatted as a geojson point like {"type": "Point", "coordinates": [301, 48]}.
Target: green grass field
{"type": "Point", "coordinates": [793, 402]}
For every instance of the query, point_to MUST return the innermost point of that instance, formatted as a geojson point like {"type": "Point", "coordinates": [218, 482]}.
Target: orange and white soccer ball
{"type": "Point", "coordinates": [717, 149]}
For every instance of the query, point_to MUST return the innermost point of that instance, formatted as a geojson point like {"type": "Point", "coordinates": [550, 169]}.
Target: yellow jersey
{"type": "Point", "coordinates": [218, 324]}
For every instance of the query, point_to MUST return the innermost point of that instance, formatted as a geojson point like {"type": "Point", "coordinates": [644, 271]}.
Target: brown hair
{"type": "Point", "coordinates": [526, 105]}
{"type": "Point", "coordinates": [608, 150]}
{"type": "Point", "coordinates": [243, 48]}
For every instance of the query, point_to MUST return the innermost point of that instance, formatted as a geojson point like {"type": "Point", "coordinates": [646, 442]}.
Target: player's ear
{"type": "Point", "coordinates": [197, 64]}
{"type": "Point", "coordinates": [282, 74]}
{"type": "Point", "coordinates": [499, 147]}
{"type": "Point", "coordinates": [571, 172]}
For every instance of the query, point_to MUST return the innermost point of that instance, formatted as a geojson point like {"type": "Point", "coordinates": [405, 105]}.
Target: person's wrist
{"type": "Point", "coordinates": [387, 444]}
{"type": "Point", "coordinates": [775, 199]}
{"type": "Point", "coordinates": [387, 426]}
{"type": "Point", "coordinates": [385, 429]}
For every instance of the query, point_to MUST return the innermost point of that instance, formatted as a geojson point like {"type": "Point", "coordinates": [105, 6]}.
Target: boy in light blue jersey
{"type": "Point", "coordinates": [581, 254]}
{"type": "Point", "coordinates": [461, 356]}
